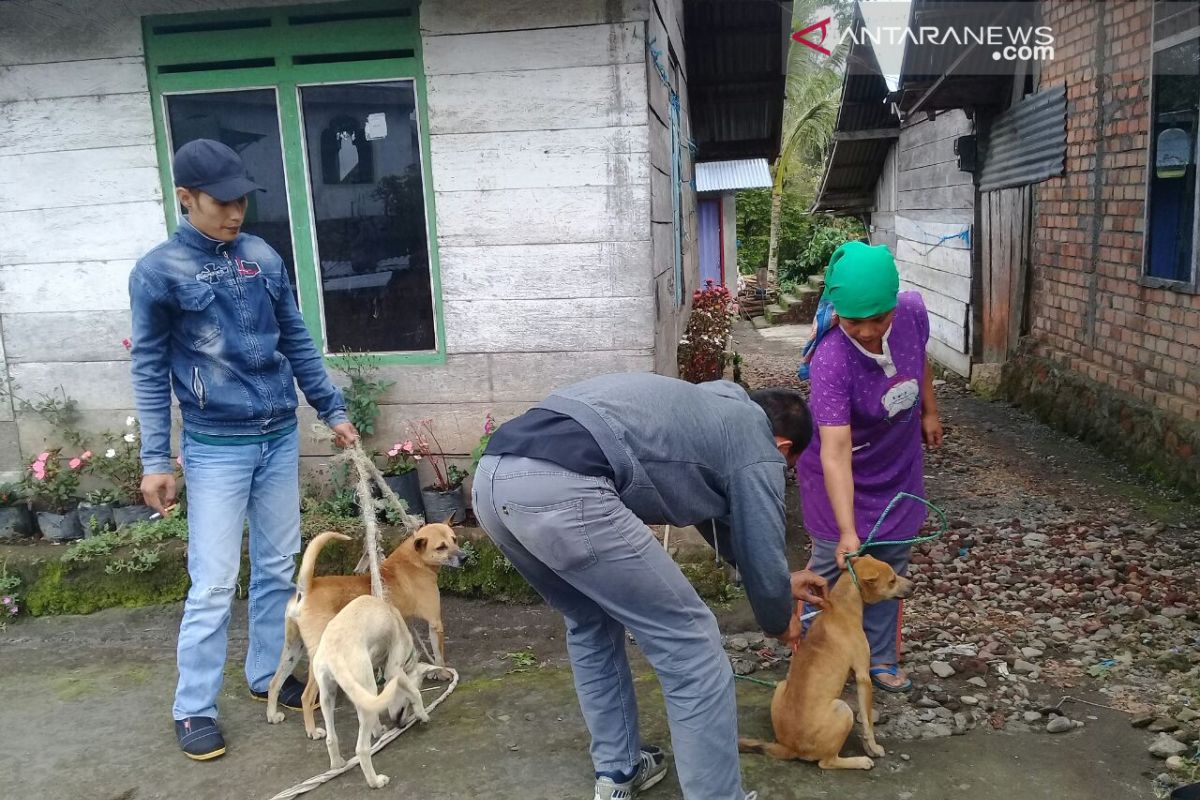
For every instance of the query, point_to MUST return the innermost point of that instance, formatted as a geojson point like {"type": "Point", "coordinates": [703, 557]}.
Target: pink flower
{"type": "Point", "coordinates": [86, 455]}
{"type": "Point", "coordinates": [39, 470]}
{"type": "Point", "coordinates": [127, 342]}
{"type": "Point", "coordinates": [43, 458]}
{"type": "Point", "coordinates": [407, 446]}
{"type": "Point", "coordinates": [489, 425]}
{"type": "Point", "coordinates": [179, 461]}
{"type": "Point", "coordinates": [75, 463]}
{"type": "Point", "coordinates": [395, 451]}
{"type": "Point", "coordinates": [7, 600]}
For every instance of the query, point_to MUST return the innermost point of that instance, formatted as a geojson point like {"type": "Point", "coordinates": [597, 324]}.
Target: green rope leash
{"type": "Point", "coordinates": [869, 543]}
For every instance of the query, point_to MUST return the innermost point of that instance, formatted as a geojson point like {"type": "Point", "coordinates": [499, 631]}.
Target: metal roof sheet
{"type": "Point", "coordinates": [726, 176]}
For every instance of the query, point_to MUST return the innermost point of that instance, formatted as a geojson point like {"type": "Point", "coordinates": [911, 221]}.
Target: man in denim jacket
{"type": "Point", "coordinates": [214, 319]}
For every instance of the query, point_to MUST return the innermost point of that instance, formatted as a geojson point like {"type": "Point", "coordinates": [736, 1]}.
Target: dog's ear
{"type": "Point", "coordinates": [420, 544]}
{"type": "Point", "coordinates": [448, 520]}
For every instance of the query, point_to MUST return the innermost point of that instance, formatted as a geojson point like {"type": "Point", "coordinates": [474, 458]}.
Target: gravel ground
{"type": "Point", "coordinates": [1062, 584]}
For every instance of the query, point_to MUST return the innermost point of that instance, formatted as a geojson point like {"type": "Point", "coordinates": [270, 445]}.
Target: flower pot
{"type": "Point", "coordinates": [16, 522]}
{"type": "Point", "coordinates": [126, 515]}
{"type": "Point", "coordinates": [408, 488]}
{"type": "Point", "coordinates": [59, 527]}
{"type": "Point", "coordinates": [442, 506]}
{"type": "Point", "coordinates": [96, 517]}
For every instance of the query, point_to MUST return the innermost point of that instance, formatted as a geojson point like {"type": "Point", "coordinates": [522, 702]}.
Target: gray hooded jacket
{"type": "Point", "coordinates": [686, 454]}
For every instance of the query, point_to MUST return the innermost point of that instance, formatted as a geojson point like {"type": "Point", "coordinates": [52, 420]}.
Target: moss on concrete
{"type": "Point", "coordinates": [1160, 446]}
{"type": "Point", "coordinates": [50, 586]}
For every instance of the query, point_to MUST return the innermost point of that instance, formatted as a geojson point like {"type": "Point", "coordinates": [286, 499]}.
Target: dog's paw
{"type": "Point", "coordinates": [378, 730]}
{"type": "Point", "coordinates": [874, 749]}
{"type": "Point", "coordinates": [380, 782]}
{"type": "Point", "coordinates": [440, 674]}
{"type": "Point", "coordinates": [274, 718]}
{"type": "Point", "coordinates": [317, 734]}
{"type": "Point", "coordinates": [423, 716]}
{"type": "Point", "coordinates": [865, 763]}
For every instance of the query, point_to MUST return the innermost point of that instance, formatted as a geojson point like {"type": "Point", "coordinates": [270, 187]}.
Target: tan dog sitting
{"type": "Point", "coordinates": [811, 720]}
{"type": "Point", "coordinates": [409, 576]}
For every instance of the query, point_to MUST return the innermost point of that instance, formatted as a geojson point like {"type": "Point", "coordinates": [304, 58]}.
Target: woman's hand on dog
{"type": "Point", "coordinates": [848, 545]}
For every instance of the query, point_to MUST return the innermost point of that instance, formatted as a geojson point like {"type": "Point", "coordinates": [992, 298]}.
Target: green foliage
{"type": "Point", "coordinates": [364, 391]}
{"type": "Point", "coordinates": [522, 660]}
{"type": "Point", "coordinates": [11, 494]}
{"type": "Point", "coordinates": [143, 537]}
{"type": "Point", "coordinates": [10, 601]}
{"type": "Point", "coordinates": [100, 497]}
{"type": "Point", "coordinates": [806, 241]}
{"type": "Point", "coordinates": [489, 427]}
{"type": "Point", "coordinates": [486, 573]}
{"type": "Point", "coordinates": [121, 462]}
{"type": "Point", "coordinates": [58, 409]}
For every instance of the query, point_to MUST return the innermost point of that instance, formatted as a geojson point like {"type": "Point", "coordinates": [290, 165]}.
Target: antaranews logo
{"type": "Point", "coordinates": [1006, 43]}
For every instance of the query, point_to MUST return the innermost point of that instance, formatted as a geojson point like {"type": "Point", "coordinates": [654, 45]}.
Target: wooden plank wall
{"type": "Point", "coordinates": [664, 28]}
{"type": "Point", "coordinates": [541, 161]}
{"type": "Point", "coordinates": [934, 200]}
{"type": "Point", "coordinates": [1004, 256]}
{"type": "Point", "coordinates": [883, 218]}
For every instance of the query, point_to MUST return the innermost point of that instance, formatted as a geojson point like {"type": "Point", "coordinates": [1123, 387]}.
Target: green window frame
{"type": "Point", "coordinates": [286, 49]}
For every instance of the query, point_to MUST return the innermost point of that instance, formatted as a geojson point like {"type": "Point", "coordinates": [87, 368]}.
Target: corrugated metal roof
{"type": "Point", "coordinates": [854, 163]}
{"type": "Point", "coordinates": [1027, 143]}
{"type": "Point", "coordinates": [726, 176]}
{"type": "Point", "coordinates": [736, 64]}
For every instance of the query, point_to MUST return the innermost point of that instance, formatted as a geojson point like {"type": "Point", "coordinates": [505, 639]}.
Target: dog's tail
{"type": "Point", "coordinates": [309, 563]}
{"type": "Point", "coordinates": [369, 701]}
{"type": "Point", "coordinates": [772, 749]}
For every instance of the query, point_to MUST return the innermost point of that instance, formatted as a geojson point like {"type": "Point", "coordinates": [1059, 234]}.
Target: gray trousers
{"type": "Point", "coordinates": [593, 560]}
{"type": "Point", "coordinates": [881, 621]}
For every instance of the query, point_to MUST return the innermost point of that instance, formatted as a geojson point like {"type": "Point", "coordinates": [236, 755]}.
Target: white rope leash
{"type": "Point", "coordinates": [380, 743]}
{"type": "Point", "coordinates": [370, 477]}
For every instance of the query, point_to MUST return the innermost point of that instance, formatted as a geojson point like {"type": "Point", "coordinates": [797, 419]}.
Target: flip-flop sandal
{"type": "Point", "coordinates": [887, 687]}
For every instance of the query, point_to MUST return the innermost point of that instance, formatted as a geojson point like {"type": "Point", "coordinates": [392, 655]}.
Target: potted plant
{"type": "Point", "coordinates": [443, 499]}
{"type": "Point", "coordinates": [15, 520]}
{"type": "Point", "coordinates": [55, 490]}
{"type": "Point", "coordinates": [400, 474]}
{"type": "Point", "coordinates": [121, 464]}
{"type": "Point", "coordinates": [96, 511]}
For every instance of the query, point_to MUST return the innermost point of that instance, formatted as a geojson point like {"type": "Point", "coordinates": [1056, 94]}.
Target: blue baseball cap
{"type": "Point", "coordinates": [213, 168]}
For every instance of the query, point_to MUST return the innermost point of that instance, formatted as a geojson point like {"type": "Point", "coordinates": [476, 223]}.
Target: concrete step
{"type": "Point", "coordinates": [817, 282]}
{"type": "Point", "coordinates": [760, 322]}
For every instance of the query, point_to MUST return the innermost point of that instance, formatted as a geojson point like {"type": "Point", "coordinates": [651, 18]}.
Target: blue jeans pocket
{"type": "Point", "coordinates": [555, 534]}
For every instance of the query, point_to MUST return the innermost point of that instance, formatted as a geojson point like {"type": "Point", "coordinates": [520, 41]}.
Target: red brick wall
{"type": "Point", "coordinates": [1089, 313]}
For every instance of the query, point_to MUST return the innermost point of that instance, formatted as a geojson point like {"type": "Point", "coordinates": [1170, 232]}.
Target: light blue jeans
{"type": "Point", "coordinates": [226, 485]}
{"type": "Point", "coordinates": [592, 559]}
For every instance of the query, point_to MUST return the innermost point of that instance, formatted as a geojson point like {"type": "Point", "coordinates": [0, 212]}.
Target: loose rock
{"type": "Point", "coordinates": [1060, 725]}
{"type": "Point", "coordinates": [1165, 746]}
{"type": "Point", "coordinates": [942, 669]}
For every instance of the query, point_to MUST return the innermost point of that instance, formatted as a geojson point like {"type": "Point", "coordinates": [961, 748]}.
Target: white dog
{"type": "Point", "coordinates": [368, 633]}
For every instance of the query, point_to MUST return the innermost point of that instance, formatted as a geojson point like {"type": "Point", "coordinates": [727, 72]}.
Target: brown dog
{"type": "Point", "coordinates": [811, 720]}
{"type": "Point", "coordinates": [409, 576]}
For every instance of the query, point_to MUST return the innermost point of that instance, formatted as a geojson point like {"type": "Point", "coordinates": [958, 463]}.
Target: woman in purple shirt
{"type": "Point", "coordinates": [872, 406]}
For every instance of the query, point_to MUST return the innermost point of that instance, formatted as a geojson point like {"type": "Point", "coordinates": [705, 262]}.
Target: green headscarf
{"type": "Point", "coordinates": [861, 281]}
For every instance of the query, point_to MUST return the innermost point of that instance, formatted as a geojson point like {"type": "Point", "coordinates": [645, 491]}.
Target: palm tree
{"type": "Point", "coordinates": [812, 93]}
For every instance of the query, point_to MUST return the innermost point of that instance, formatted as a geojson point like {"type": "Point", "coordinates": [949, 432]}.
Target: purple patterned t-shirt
{"type": "Point", "coordinates": [880, 399]}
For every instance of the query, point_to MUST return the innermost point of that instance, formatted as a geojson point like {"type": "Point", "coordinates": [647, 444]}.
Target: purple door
{"type": "Point", "coordinates": [708, 231]}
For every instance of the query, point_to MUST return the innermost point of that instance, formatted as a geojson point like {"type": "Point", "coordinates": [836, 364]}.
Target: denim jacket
{"type": "Point", "coordinates": [220, 319]}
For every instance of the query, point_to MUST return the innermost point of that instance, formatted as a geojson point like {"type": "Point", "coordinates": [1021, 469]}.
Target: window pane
{"type": "Point", "coordinates": [248, 122]}
{"type": "Point", "coordinates": [1173, 161]}
{"type": "Point", "coordinates": [368, 200]}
